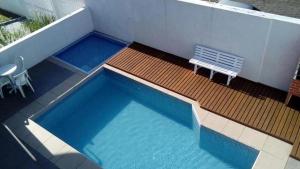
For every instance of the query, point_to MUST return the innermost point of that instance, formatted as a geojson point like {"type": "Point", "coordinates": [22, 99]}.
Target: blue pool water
{"type": "Point", "coordinates": [90, 51]}
{"type": "Point", "coordinates": [120, 123]}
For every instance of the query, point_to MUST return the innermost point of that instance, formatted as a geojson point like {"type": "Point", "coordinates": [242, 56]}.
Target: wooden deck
{"type": "Point", "coordinates": [252, 104]}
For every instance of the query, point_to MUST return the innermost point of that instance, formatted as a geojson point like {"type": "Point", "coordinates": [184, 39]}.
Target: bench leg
{"type": "Point", "coordinates": [288, 98]}
{"type": "Point", "coordinates": [211, 74]}
{"type": "Point", "coordinates": [195, 69]}
{"type": "Point", "coordinates": [228, 80]}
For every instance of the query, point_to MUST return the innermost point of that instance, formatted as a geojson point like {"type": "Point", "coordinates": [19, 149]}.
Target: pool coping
{"type": "Point", "coordinates": [273, 153]}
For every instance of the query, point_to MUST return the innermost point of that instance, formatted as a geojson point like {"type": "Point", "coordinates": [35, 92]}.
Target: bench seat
{"type": "Point", "coordinates": [217, 62]}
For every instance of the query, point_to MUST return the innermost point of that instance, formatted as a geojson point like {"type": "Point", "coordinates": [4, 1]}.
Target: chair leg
{"type": "Point", "coordinates": [228, 80]}
{"type": "Point", "coordinates": [211, 74]}
{"type": "Point", "coordinates": [21, 91]}
{"type": "Point", "coordinates": [195, 69]}
{"type": "Point", "coordinates": [1, 93]}
{"type": "Point", "coordinates": [29, 84]}
{"type": "Point", "coordinates": [28, 76]}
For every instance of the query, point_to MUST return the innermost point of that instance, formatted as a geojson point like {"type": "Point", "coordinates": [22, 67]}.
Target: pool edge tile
{"type": "Point", "coordinates": [233, 130]}
{"type": "Point", "coordinates": [276, 147]}
{"type": "Point", "coordinates": [215, 122]}
{"type": "Point", "coordinates": [253, 138]}
{"type": "Point", "coordinates": [292, 164]}
{"type": "Point", "coordinates": [268, 161]}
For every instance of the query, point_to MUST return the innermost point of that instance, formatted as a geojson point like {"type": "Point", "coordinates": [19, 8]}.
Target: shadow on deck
{"type": "Point", "coordinates": [46, 76]}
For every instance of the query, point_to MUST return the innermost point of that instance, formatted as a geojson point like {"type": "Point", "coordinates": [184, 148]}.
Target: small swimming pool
{"type": "Point", "coordinates": [90, 51]}
{"type": "Point", "coordinates": [120, 123]}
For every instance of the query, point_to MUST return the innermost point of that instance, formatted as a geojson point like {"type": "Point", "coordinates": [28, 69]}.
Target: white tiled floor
{"type": "Point", "coordinates": [277, 148]}
{"type": "Point", "coordinates": [253, 138]}
{"type": "Point", "coordinates": [215, 122]}
{"type": "Point", "coordinates": [292, 164]}
{"type": "Point", "coordinates": [233, 130]}
{"type": "Point", "coordinates": [52, 147]}
{"type": "Point", "coordinates": [268, 161]}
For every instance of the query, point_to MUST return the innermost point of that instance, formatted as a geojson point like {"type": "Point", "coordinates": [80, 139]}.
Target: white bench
{"type": "Point", "coordinates": [217, 61]}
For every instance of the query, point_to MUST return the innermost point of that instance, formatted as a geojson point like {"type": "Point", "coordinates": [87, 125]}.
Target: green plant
{"type": "Point", "coordinates": [7, 37]}
{"type": "Point", "coordinates": [38, 22]}
{"type": "Point", "coordinates": [3, 18]}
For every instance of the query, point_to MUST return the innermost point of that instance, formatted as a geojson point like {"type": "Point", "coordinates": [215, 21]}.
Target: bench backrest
{"type": "Point", "coordinates": [219, 58]}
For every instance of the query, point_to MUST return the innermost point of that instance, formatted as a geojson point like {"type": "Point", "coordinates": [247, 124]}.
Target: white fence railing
{"type": "Point", "coordinates": [30, 8]}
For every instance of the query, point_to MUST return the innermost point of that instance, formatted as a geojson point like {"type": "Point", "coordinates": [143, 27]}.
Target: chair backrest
{"type": "Point", "coordinates": [219, 58]}
{"type": "Point", "coordinates": [19, 61]}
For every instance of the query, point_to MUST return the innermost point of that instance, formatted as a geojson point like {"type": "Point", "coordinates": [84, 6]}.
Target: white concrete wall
{"type": "Point", "coordinates": [13, 6]}
{"type": "Point", "coordinates": [267, 42]}
{"type": "Point", "coordinates": [30, 8]}
{"type": "Point", "coordinates": [43, 43]}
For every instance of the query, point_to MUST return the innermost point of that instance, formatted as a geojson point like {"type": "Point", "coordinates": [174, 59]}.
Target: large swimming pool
{"type": "Point", "coordinates": [90, 51]}
{"type": "Point", "coordinates": [122, 124]}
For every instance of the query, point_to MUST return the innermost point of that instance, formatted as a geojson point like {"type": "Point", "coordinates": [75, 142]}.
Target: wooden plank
{"type": "Point", "coordinates": [213, 102]}
{"type": "Point", "coordinates": [176, 78]}
{"type": "Point", "coordinates": [213, 96]}
{"type": "Point", "coordinates": [235, 101]}
{"type": "Point", "coordinates": [268, 114]}
{"type": "Point", "coordinates": [228, 94]}
{"type": "Point", "coordinates": [287, 124]}
{"type": "Point", "coordinates": [282, 123]}
{"type": "Point", "coordinates": [237, 113]}
{"type": "Point", "coordinates": [251, 105]}
{"type": "Point", "coordinates": [296, 129]}
{"type": "Point", "coordinates": [292, 125]}
{"type": "Point", "coordinates": [200, 90]}
{"type": "Point", "coordinates": [260, 110]}
{"type": "Point", "coordinates": [296, 147]}
{"type": "Point", "coordinates": [198, 84]}
{"type": "Point", "coordinates": [185, 83]}
{"type": "Point", "coordinates": [275, 115]}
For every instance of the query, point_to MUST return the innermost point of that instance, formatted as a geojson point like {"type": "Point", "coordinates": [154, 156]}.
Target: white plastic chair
{"type": "Point", "coordinates": [22, 79]}
{"type": "Point", "coordinates": [3, 82]}
{"type": "Point", "coordinates": [19, 61]}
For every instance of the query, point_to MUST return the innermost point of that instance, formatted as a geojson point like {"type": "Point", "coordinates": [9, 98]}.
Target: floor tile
{"type": "Point", "coordinates": [267, 161]}
{"type": "Point", "coordinates": [233, 130]}
{"type": "Point", "coordinates": [215, 122]}
{"type": "Point", "coordinates": [277, 148]}
{"type": "Point", "coordinates": [51, 147]}
{"type": "Point", "coordinates": [253, 138]}
{"type": "Point", "coordinates": [292, 164]}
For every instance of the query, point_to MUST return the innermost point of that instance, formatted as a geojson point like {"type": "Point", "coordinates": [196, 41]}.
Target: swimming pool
{"type": "Point", "coordinates": [120, 123]}
{"type": "Point", "coordinates": [90, 51]}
